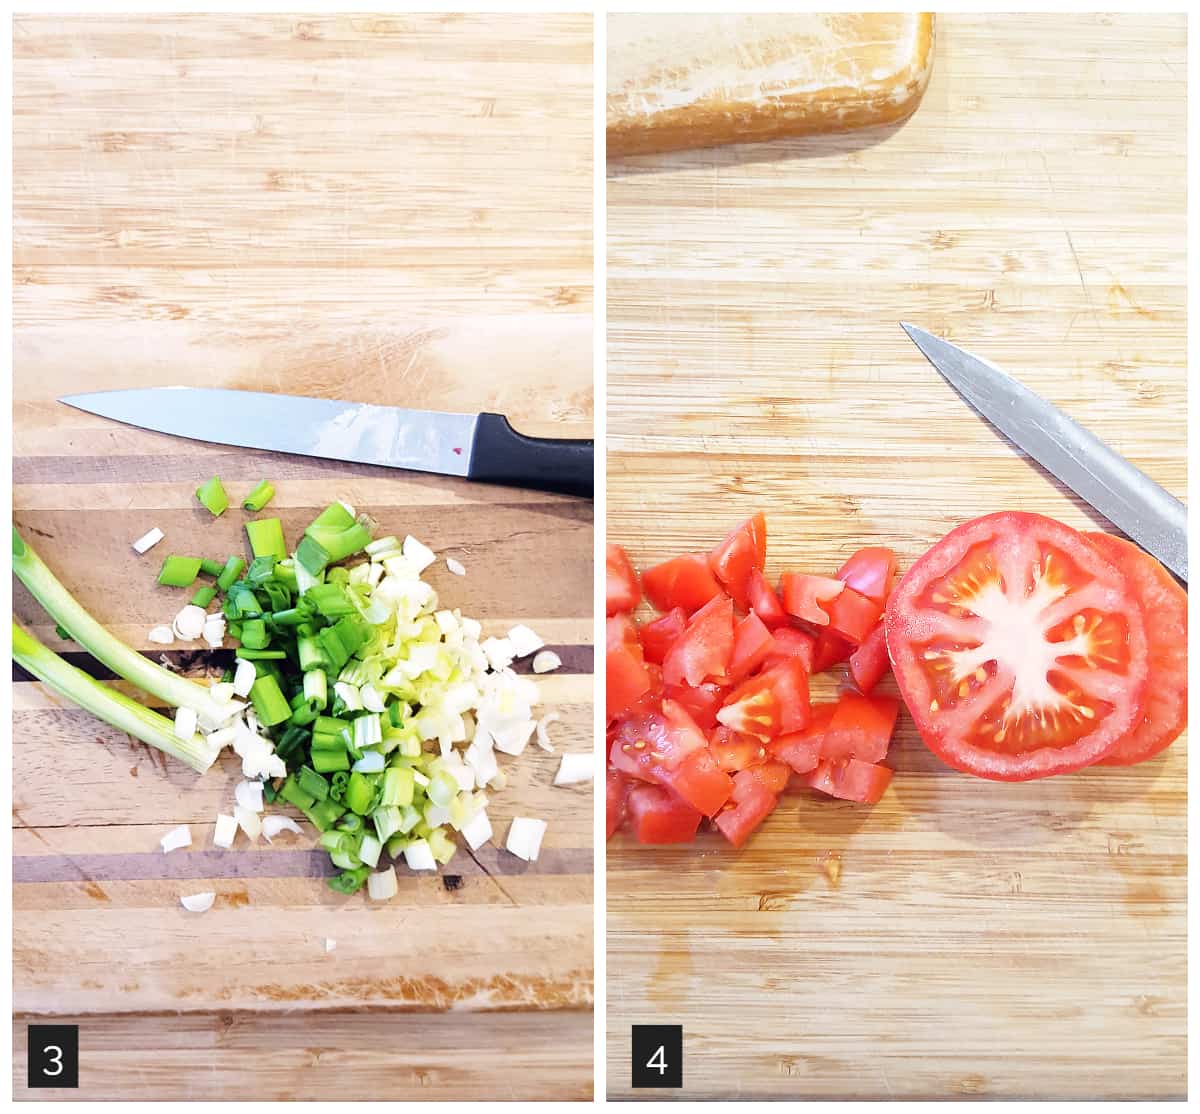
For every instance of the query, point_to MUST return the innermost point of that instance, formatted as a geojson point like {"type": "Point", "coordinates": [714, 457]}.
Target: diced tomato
{"type": "Point", "coordinates": [658, 816]}
{"type": "Point", "coordinates": [752, 803]}
{"type": "Point", "coordinates": [740, 554]}
{"type": "Point", "coordinates": [861, 728]}
{"type": "Point", "coordinates": [733, 751]}
{"type": "Point", "coordinates": [829, 650]}
{"type": "Point", "coordinates": [801, 750]}
{"type": "Point", "coordinates": [701, 701]}
{"type": "Point", "coordinates": [773, 775]}
{"type": "Point", "coordinates": [626, 678]}
{"type": "Point", "coordinates": [850, 780]}
{"type": "Point", "coordinates": [659, 741]}
{"type": "Point", "coordinates": [621, 584]}
{"type": "Point", "coordinates": [752, 642]}
{"type": "Point", "coordinates": [789, 682]}
{"type": "Point", "coordinates": [853, 616]}
{"type": "Point", "coordinates": [617, 790]}
{"type": "Point", "coordinates": [764, 602]}
{"type": "Point", "coordinates": [870, 661]}
{"type": "Point", "coordinates": [701, 782]}
{"type": "Point", "coordinates": [685, 582]}
{"type": "Point", "coordinates": [791, 643]}
{"type": "Point", "coordinates": [870, 572]}
{"type": "Point", "coordinates": [660, 635]}
{"type": "Point", "coordinates": [703, 651]}
{"type": "Point", "coordinates": [809, 598]}
{"type": "Point", "coordinates": [752, 709]}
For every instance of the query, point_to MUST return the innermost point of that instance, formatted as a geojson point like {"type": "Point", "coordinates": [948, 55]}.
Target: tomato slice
{"type": "Point", "coordinates": [870, 662]}
{"type": "Point", "coordinates": [861, 727]}
{"type": "Point", "coordinates": [764, 602]}
{"type": "Point", "coordinates": [869, 572]}
{"type": "Point", "coordinates": [685, 582]}
{"type": "Point", "coordinates": [791, 643]}
{"type": "Point", "coordinates": [705, 647]}
{"type": "Point", "coordinates": [742, 552]}
{"type": "Point", "coordinates": [850, 780]}
{"type": "Point", "coordinates": [626, 678]}
{"type": "Point", "coordinates": [801, 750]}
{"type": "Point", "coordinates": [658, 816]}
{"type": "Point", "coordinates": [701, 782]}
{"type": "Point", "coordinates": [1165, 604]}
{"type": "Point", "coordinates": [617, 790]}
{"type": "Point", "coordinates": [752, 709]}
{"type": "Point", "coordinates": [809, 597]}
{"type": "Point", "coordinates": [830, 649]}
{"type": "Point", "coordinates": [752, 642]}
{"type": "Point", "coordinates": [732, 751]}
{"type": "Point", "coordinates": [659, 636]}
{"type": "Point", "coordinates": [701, 702]}
{"type": "Point", "coordinates": [752, 802]}
{"type": "Point", "coordinates": [853, 616]}
{"type": "Point", "coordinates": [1019, 649]}
{"type": "Point", "coordinates": [789, 682]}
{"type": "Point", "coordinates": [621, 584]}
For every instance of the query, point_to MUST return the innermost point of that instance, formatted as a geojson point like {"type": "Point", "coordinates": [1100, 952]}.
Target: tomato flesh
{"type": "Point", "coordinates": [625, 675]}
{"type": "Point", "coordinates": [861, 727]}
{"type": "Point", "coordinates": [616, 791]}
{"type": "Point", "coordinates": [869, 662]}
{"type": "Point", "coordinates": [870, 572]}
{"type": "Point", "coordinates": [801, 750]}
{"type": "Point", "coordinates": [705, 647]}
{"type": "Point", "coordinates": [787, 642]}
{"type": "Point", "coordinates": [685, 582]}
{"type": "Point", "coordinates": [752, 802]}
{"type": "Point", "coordinates": [740, 554]}
{"type": "Point", "coordinates": [621, 583]}
{"type": "Point", "coordinates": [701, 701]}
{"type": "Point", "coordinates": [1165, 604]}
{"type": "Point", "coordinates": [850, 780]}
{"type": "Point", "coordinates": [659, 636]}
{"type": "Point", "coordinates": [658, 816]}
{"type": "Point", "coordinates": [764, 602]}
{"type": "Point", "coordinates": [809, 597]}
{"type": "Point", "coordinates": [853, 616]}
{"type": "Point", "coordinates": [752, 642]}
{"type": "Point", "coordinates": [752, 709]}
{"type": "Point", "coordinates": [1019, 649]}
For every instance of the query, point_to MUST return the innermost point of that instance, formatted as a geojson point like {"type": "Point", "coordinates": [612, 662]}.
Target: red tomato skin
{"type": "Point", "coordinates": [658, 816]}
{"type": "Point", "coordinates": [700, 782]}
{"type": "Point", "coordinates": [659, 636]}
{"type": "Point", "coordinates": [1165, 604]}
{"type": "Point", "coordinates": [765, 603]}
{"type": "Point", "coordinates": [616, 791]}
{"type": "Point", "coordinates": [850, 780]}
{"type": "Point", "coordinates": [685, 582]}
{"type": "Point", "coordinates": [801, 750]}
{"type": "Point", "coordinates": [861, 727]}
{"type": "Point", "coordinates": [621, 583]}
{"type": "Point", "coordinates": [853, 616]}
{"type": "Point", "coordinates": [870, 572]}
{"type": "Point", "coordinates": [870, 662]}
{"type": "Point", "coordinates": [742, 551]}
{"type": "Point", "coordinates": [792, 643]}
{"type": "Point", "coordinates": [701, 701]}
{"type": "Point", "coordinates": [752, 803]}
{"type": "Point", "coordinates": [752, 642]}
{"type": "Point", "coordinates": [957, 752]}
{"type": "Point", "coordinates": [809, 598]}
{"type": "Point", "coordinates": [789, 682]}
{"type": "Point", "coordinates": [625, 676]}
{"type": "Point", "coordinates": [703, 651]}
{"type": "Point", "coordinates": [830, 650]}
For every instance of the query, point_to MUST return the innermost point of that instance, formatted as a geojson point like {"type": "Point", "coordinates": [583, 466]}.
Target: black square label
{"type": "Point", "coordinates": [658, 1056]}
{"type": "Point", "coordinates": [53, 1055]}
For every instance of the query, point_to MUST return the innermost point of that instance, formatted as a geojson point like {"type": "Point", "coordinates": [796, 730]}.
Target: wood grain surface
{"type": "Point", "coordinates": [385, 209]}
{"type": "Point", "coordinates": [963, 938]}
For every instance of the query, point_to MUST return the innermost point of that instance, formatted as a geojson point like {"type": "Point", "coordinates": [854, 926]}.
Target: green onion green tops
{"type": "Point", "coordinates": [259, 497]}
{"type": "Point", "coordinates": [266, 538]}
{"type": "Point", "coordinates": [179, 572]}
{"type": "Point", "coordinates": [212, 494]}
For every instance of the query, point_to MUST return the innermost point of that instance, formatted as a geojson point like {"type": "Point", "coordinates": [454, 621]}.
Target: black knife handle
{"type": "Point", "coordinates": [501, 455]}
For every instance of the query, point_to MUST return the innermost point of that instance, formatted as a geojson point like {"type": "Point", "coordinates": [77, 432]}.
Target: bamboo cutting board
{"type": "Point", "coordinates": [963, 938]}
{"type": "Point", "coordinates": [372, 208]}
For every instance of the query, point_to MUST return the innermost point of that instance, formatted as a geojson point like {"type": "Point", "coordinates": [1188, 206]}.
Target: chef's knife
{"type": "Point", "coordinates": [1127, 497]}
{"type": "Point", "coordinates": [480, 447]}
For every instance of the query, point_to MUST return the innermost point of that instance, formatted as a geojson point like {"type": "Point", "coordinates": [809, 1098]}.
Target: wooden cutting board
{"type": "Point", "coordinates": [367, 207]}
{"type": "Point", "coordinates": [963, 938]}
{"type": "Point", "coordinates": [710, 79]}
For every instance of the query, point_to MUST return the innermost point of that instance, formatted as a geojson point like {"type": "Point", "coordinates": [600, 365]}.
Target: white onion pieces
{"type": "Point", "coordinates": [525, 837]}
{"type": "Point", "coordinates": [524, 641]}
{"type": "Point", "coordinates": [420, 555]}
{"type": "Point", "coordinates": [189, 623]}
{"type": "Point", "coordinates": [225, 830]}
{"type": "Point", "coordinates": [249, 794]}
{"type": "Point", "coordinates": [478, 831]}
{"type": "Point", "coordinates": [455, 567]}
{"type": "Point", "coordinates": [541, 735]}
{"type": "Point", "coordinates": [164, 636]}
{"type": "Point", "coordinates": [186, 720]}
{"type": "Point", "coordinates": [248, 820]}
{"type": "Point", "coordinates": [198, 903]}
{"type": "Point", "coordinates": [575, 769]}
{"type": "Point", "coordinates": [244, 677]}
{"type": "Point", "coordinates": [149, 538]}
{"type": "Point", "coordinates": [418, 856]}
{"type": "Point", "coordinates": [546, 661]}
{"type": "Point", "coordinates": [382, 886]}
{"type": "Point", "coordinates": [273, 825]}
{"type": "Point", "coordinates": [214, 631]}
{"type": "Point", "coordinates": [176, 838]}
{"type": "Point", "coordinates": [499, 652]}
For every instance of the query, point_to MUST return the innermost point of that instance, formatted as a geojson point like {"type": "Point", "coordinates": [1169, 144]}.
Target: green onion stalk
{"type": "Point", "coordinates": [108, 704]}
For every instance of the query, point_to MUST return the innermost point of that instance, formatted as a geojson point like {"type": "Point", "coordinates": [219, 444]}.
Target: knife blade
{"type": "Point", "coordinates": [1125, 495]}
{"type": "Point", "coordinates": [480, 447]}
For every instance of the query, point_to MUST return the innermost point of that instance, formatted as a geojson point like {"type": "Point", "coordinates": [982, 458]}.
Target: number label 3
{"type": "Point", "coordinates": [53, 1053]}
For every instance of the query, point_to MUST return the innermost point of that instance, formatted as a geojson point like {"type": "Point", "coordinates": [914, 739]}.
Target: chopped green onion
{"type": "Point", "coordinates": [397, 787]}
{"type": "Point", "coordinates": [292, 793]}
{"type": "Point", "coordinates": [230, 572]}
{"type": "Point", "coordinates": [323, 814]}
{"type": "Point", "coordinates": [359, 793]}
{"type": "Point", "coordinates": [262, 494]}
{"type": "Point", "coordinates": [254, 635]}
{"type": "Point", "coordinates": [204, 596]}
{"type": "Point", "coordinates": [179, 572]}
{"type": "Point", "coordinates": [269, 703]}
{"type": "Point", "coordinates": [350, 881]}
{"type": "Point", "coordinates": [212, 494]}
{"type": "Point", "coordinates": [312, 783]}
{"type": "Point", "coordinates": [246, 654]}
{"type": "Point", "coordinates": [327, 761]}
{"type": "Point", "coordinates": [211, 567]}
{"type": "Point", "coordinates": [332, 536]}
{"type": "Point", "coordinates": [316, 690]}
{"type": "Point", "coordinates": [266, 538]}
